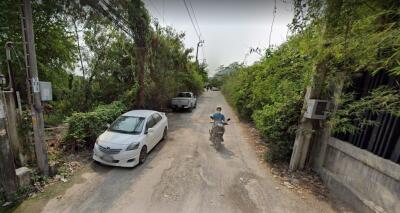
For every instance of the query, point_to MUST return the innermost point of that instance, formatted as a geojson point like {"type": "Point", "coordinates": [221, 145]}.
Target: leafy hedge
{"type": "Point", "coordinates": [85, 127]}
{"type": "Point", "coordinates": [363, 38]}
{"type": "Point", "coordinates": [270, 93]}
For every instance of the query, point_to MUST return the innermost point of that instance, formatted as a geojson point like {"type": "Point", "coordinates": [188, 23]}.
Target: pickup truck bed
{"type": "Point", "coordinates": [184, 100]}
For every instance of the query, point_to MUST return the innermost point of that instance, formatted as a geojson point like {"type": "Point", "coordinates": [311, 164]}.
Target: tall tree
{"type": "Point", "coordinates": [139, 22]}
{"type": "Point", "coordinates": [55, 43]}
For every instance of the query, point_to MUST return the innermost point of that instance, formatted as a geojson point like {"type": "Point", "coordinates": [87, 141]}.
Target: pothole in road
{"type": "Point", "coordinates": [178, 181]}
{"type": "Point", "coordinates": [242, 192]}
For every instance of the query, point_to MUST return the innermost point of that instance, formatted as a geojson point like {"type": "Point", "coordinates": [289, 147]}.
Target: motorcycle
{"type": "Point", "coordinates": [217, 132]}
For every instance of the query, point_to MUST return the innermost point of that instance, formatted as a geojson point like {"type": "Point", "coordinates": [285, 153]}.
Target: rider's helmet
{"type": "Point", "coordinates": [219, 108]}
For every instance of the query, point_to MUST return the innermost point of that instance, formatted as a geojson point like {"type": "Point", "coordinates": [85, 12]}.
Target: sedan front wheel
{"type": "Point", "coordinates": [143, 155]}
{"type": "Point", "coordinates": [165, 133]}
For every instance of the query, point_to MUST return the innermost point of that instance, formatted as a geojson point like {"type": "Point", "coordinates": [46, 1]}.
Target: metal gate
{"type": "Point", "coordinates": [383, 139]}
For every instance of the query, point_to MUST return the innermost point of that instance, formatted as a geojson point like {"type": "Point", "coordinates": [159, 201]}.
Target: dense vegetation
{"type": "Point", "coordinates": [271, 92]}
{"type": "Point", "coordinates": [336, 38]}
{"type": "Point", "coordinates": [92, 62]}
{"type": "Point", "coordinates": [110, 61]}
{"type": "Point", "coordinates": [84, 127]}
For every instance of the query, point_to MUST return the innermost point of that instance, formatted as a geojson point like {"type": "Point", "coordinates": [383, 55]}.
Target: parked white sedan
{"type": "Point", "coordinates": [128, 139]}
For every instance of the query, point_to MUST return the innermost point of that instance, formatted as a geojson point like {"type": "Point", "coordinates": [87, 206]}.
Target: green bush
{"type": "Point", "coordinates": [85, 127]}
{"type": "Point", "coordinates": [54, 118]}
{"type": "Point", "coordinates": [278, 123]}
{"type": "Point", "coordinates": [270, 93]}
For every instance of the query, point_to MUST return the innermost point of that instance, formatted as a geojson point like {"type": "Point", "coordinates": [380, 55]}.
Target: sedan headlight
{"type": "Point", "coordinates": [133, 146]}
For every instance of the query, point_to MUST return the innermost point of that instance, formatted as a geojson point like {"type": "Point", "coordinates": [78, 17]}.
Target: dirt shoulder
{"type": "Point", "coordinates": [304, 183]}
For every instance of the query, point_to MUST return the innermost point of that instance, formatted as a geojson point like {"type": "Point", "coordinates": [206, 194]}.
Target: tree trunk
{"type": "Point", "coordinates": [139, 102]}
{"type": "Point", "coordinates": [79, 48]}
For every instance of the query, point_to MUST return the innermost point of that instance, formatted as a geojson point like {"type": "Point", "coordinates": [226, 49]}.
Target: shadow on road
{"type": "Point", "coordinates": [225, 153]}
{"type": "Point", "coordinates": [100, 168]}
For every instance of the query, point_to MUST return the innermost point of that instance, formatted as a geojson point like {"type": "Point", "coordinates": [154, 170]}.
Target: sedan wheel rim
{"type": "Point", "coordinates": [143, 155]}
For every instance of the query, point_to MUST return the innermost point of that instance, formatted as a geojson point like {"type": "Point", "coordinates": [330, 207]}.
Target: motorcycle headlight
{"type": "Point", "coordinates": [220, 124]}
{"type": "Point", "coordinates": [133, 146]}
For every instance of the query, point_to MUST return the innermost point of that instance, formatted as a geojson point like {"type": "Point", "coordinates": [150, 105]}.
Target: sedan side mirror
{"type": "Point", "coordinates": [107, 126]}
{"type": "Point", "coordinates": [149, 130]}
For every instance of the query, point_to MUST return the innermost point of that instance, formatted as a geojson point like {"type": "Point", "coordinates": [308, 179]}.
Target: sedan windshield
{"type": "Point", "coordinates": [128, 125]}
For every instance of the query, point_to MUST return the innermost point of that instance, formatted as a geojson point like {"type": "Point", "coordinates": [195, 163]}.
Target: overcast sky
{"type": "Point", "coordinates": [229, 28]}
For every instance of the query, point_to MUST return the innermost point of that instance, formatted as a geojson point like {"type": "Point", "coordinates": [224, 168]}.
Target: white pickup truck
{"type": "Point", "coordinates": [184, 100]}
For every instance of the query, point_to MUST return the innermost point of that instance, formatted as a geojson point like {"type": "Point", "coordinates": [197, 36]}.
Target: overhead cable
{"type": "Point", "coordinates": [191, 19]}
{"type": "Point", "coordinates": [195, 17]}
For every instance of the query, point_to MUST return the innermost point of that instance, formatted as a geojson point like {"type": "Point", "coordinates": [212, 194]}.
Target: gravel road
{"type": "Point", "coordinates": [185, 174]}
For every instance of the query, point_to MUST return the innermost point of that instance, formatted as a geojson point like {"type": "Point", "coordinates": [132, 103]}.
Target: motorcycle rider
{"type": "Point", "coordinates": [218, 116]}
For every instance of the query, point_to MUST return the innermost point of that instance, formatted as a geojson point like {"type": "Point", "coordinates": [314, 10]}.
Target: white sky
{"type": "Point", "coordinates": [228, 27]}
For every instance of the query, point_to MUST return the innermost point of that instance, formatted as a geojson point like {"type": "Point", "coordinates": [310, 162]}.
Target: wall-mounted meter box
{"type": "Point", "coordinates": [46, 92]}
{"type": "Point", "coordinates": [316, 109]}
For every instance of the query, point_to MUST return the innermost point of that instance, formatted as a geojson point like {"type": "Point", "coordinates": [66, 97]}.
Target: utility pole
{"type": "Point", "coordinates": [33, 87]}
{"type": "Point", "coordinates": [307, 127]}
{"type": "Point", "coordinates": [199, 44]}
{"type": "Point", "coordinates": [8, 177]}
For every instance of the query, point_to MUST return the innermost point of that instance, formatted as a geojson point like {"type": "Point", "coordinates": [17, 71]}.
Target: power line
{"type": "Point", "coordinates": [155, 7]}
{"type": "Point", "coordinates": [195, 17]}
{"type": "Point", "coordinates": [191, 19]}
{"type": "Point", "coordinates": [109, 12]}
{"type": "Point", "coordinates": [198, 27]}
{"type": "Point", "coordinates": [114, 12]}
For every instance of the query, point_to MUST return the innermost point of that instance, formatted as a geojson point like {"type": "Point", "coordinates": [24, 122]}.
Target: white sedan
{"type": "Point", "coordinates": [128, 139]}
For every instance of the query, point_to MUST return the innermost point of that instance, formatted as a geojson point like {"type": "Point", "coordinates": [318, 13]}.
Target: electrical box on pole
{"type": "Point", "coordinates": [46, 92]}
{"type": "Point", "coordinates": [316, 109]}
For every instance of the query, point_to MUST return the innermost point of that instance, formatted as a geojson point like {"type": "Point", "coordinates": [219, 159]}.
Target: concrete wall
{"type": "Point", "coordinates": [366, 181]}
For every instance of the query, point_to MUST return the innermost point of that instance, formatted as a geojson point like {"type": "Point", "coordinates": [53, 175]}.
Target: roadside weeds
{"type": "Point", "coordinates": [302, 182]}
{"type": "Point", "coordinates": [66, 165]}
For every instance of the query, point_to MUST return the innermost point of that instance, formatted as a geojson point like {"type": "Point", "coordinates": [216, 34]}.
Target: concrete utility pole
{"type": "Point", "coordinates": [33, 87]}
{"type": "Point", "coordinates": [308, 128]}
{"type": "Point", "coordinates": [199, 44]}
{"type": "Point", "coordinates": [303, 139]}
{"type": "Point", "coordinates": [8, 177]}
